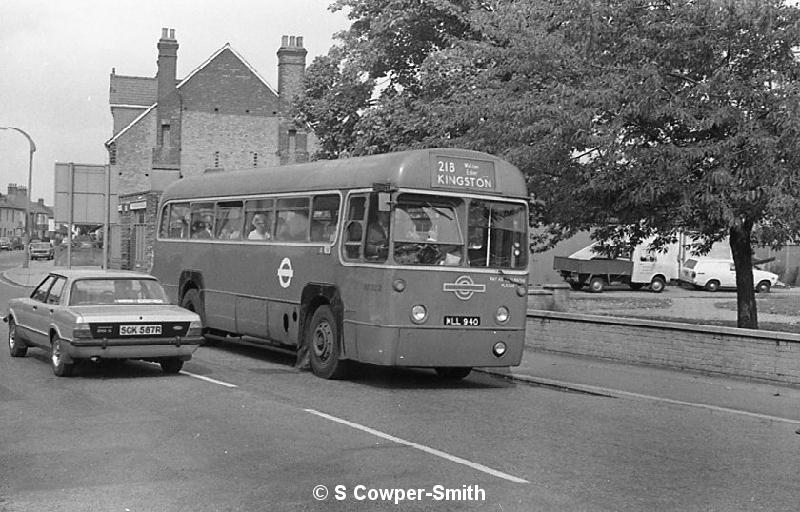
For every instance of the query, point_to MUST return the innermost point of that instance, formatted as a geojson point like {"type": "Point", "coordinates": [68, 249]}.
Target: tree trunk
{"type": "Point", "coordinates": [742, 251]}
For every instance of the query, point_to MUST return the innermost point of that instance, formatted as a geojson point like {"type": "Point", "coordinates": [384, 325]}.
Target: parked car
{"type": "Point", "coordinates": [713, 274]}
{"type": "Point", "coordinates": [102, 314]}
{"type": "Point", "coordinates": [5, 243]}
{"type": "Point", "coordinates": [41, 251]}
{"type": "Point", "coordinates": [16, 243]}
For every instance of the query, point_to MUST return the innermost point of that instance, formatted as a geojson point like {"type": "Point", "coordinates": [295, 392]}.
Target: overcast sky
{"type": "Point", "coordinates": [56, 58]}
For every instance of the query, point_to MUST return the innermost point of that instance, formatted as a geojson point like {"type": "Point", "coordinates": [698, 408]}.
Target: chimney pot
{"type": "Point", "coordinates": [285, 41]}
{"type": "Point", "coordinates": [164, 31]}
{"type": "Point", "coordinates": [172, 33]}
{"type": "Point", "coordinates": [299, 41]}
{"type": "Point", "coordinates": [291, 40]}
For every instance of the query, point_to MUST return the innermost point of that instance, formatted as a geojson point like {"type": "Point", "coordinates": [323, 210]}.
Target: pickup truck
{"type": "Point", "coordinates": [637, 268]}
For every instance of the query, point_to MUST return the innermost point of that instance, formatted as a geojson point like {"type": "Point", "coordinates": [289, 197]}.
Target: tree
{"type": "Point", "coordinates": [631, 117]}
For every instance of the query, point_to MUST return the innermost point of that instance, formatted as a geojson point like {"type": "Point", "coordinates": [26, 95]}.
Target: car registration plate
{"type": "Point", "coordinates": [139, 330]}
{"type": "Point", "coordinates": [462, 320]}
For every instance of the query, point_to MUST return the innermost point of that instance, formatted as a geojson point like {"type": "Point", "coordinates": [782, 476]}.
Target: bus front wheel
{"type": "Point", "coordinates": [193, 302]}
{"type": "Point", "coordinates": [324, 345]}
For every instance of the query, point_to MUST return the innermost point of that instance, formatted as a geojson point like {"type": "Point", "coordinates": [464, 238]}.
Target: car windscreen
{"type": "Point", "coordinates": [86, 292]}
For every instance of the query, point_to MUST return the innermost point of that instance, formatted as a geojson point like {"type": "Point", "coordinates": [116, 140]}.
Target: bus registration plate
{"type": "Point", "coordinates": [462, 321]}
{"type": "Point", "coordinates": [139, 330]}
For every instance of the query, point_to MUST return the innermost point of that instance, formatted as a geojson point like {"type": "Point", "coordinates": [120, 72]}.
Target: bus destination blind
{"type": "Point", "coordinates": [462, 174]}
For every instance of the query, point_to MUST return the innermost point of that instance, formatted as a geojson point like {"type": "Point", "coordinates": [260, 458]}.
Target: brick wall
{"type": "Point", "coordinates": [227, 86]}
{"type": "Point", "coordinates": [762, 355]}
{"type": "Point", "coordinates": [235, 137]}
{"type": "Point", "coordinates": [135, 155]}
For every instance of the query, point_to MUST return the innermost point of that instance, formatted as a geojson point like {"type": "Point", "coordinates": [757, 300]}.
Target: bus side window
{"type": "Point", "coordinates": [259, 219]}
{"type": "Point", "coordinates": [178, 226]}
{"type": "Point", "coordinates": [324, 218]}
{"type": "Point", "coordinates": [229, 220]}
{"type": "Point", "coordinates": [292, 219]}
{"type": "Point", "coordinates": [354, 232]}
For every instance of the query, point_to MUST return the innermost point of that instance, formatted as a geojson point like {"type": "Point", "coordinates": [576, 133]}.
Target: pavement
{"type": "Point", "coordinates": [718, 394]}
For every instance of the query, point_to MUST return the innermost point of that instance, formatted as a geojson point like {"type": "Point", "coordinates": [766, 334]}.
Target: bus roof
{"type": "Point", "coordinates": [451, 170]}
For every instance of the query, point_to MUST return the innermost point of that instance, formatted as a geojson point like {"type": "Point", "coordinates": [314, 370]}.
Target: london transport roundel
{"type": "Point", "coordinates": [285, 273]}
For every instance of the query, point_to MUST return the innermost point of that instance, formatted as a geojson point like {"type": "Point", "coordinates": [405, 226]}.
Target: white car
{"type": "Point", "coordinates": [713, 274]}
{"type": "Point", "coordinates": [102, 314]}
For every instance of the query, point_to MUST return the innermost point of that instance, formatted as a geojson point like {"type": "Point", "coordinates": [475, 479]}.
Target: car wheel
{"type": "Point", "coordinates": [712, 286]}
{"type": "Point", "coordinates": [60, 368]}
{"type": "Point", "coordinates": [324, 345]}
{"type": "Point", "coordinates": [16, 347]}
{"type": "Point", "coordinates": [172, 365]}
{"type": "Point", "coordinates": [763, 287]}
{"type": "Point", "coordinates": [657, 285]}
{"type": "Point", "coordinates": [596, 285]}
{"type": "Point", "coordinates": [453, 373]}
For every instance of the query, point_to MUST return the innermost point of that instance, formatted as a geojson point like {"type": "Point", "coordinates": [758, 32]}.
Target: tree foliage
{"type": "Point", "coordinates": [629, 117]}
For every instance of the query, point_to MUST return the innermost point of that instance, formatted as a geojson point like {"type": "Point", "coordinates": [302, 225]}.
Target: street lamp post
{"type": "Point", "coordinates": [28, 230]}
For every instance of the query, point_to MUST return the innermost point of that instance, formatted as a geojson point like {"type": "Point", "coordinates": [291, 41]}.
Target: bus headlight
{"type": "Point", "coordinates": [499, 348]}
{"type": "Point", "coordinates": [501, 315]}
{"type": "Point", "coordinates": [419, 314]}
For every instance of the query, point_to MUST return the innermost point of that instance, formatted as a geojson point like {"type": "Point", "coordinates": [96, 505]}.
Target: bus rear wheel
{"type": "Point", "coordinates": [324, 345]}
{"type": "Point", "coordinates": [453, 373]}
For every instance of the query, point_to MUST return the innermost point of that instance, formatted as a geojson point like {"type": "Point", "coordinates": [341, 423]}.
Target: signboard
{"type": "Point", "coordinates": [87, 188]}
{"type": "Point", "coordinates": [462, 174]}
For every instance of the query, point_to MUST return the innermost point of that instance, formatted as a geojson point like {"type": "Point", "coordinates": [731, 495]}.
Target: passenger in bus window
{"type": "Point", "coordinates": [260, 228]}
{"type": "Point", "coordinates": [201, 230]}
{"type": "Point", "coordinates": [179, 228]}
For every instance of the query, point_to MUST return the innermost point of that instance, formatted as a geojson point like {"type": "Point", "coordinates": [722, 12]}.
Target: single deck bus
{"type": "Point", "coordinates": [414, 259]}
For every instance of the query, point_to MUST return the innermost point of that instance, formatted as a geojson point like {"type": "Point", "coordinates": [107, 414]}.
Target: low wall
{"type": "Point", "coordinates": [763, 355]}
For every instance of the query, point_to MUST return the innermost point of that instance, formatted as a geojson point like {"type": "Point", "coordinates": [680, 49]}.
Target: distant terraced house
{"type": "Point", "coordinates": [12, 214]}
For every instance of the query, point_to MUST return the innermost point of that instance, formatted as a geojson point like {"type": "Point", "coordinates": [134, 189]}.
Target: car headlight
{"type": "Point", "coordinates": [501, 315]}
{"type": "Point", "coordinates": [195, 328]}
{"type": "Point", "coordinates": [419, 314]}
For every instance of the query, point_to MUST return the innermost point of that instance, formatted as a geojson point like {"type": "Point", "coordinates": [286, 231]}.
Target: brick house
{"type": "Point", "coordinates": [222, 115]}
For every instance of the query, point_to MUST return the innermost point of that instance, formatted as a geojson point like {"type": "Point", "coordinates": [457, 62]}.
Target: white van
{"type": "Point", "coordinates": [713, 274]}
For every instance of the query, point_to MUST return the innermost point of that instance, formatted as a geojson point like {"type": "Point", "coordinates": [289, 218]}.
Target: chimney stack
{"type": "Point", "coordinates": [166, 154]}
{"type": "Point", "coordinates": [167, 63]}
{"type": "Point", "coordinates": [291, 69]}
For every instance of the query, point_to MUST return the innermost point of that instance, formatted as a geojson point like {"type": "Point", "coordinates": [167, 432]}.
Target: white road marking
{"type": "Point", "coordinates": [209, 379]}
{"type": "Point", "coordinates": [426, 449]}
{"type": "Point", "coordinates": [616, 392]}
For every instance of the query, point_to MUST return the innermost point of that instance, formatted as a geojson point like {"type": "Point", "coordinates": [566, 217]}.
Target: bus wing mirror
{"type": "Point", "coordinates": [384, 202]}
